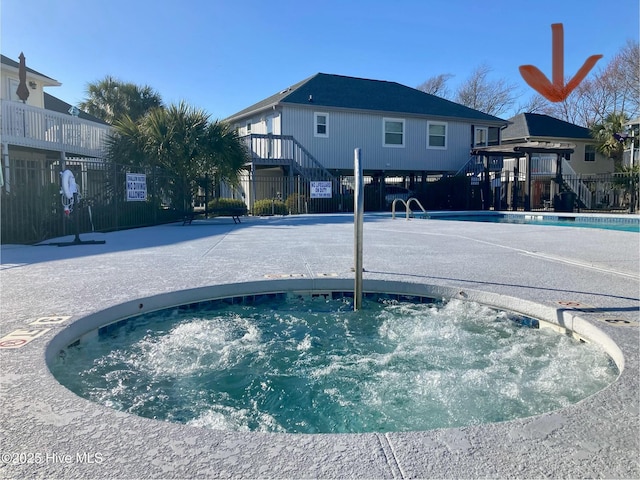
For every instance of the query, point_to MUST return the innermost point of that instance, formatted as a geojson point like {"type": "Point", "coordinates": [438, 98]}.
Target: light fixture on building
{"type": "Point", "coordinates": [33, 85]}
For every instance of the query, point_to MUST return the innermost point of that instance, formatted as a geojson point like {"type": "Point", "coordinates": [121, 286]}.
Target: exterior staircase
{"type": "Point", "coordinates": [572, 182]}
{"type": "Point", "coordinates": [285, 150]}
{"type": "Point", "coordinates": [474, 166]}
{"type": "Point", "coordinates": [541, 166]}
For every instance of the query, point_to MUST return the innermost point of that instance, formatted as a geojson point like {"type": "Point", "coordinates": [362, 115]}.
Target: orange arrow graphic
{"type": "Point", "coordinates": [556, 91]}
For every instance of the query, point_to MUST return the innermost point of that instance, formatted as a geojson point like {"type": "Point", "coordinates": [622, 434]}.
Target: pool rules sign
{"type": "Point", "coordinates": [136, 187]}
{"type": "Point", "coordinates": [320, 190]}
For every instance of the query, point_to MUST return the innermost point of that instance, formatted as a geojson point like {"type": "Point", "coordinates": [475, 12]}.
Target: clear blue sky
{"type": "Point", "coordinates": [224, 55]}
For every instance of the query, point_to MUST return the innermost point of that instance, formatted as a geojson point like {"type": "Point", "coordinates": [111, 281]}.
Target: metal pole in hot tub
{"type": "Point", "coordinates": [358, 210]}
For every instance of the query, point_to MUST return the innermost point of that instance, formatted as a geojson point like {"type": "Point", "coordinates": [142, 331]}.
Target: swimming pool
{"type": "Point", "coordinates": [626, 223]}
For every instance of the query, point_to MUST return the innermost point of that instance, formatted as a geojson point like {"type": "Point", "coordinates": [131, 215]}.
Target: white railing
{"type": "Point", "coordinates": [628, 160]}
{"type": "Point", "coordinates": [572, 179]}
{"type": "Point", "coordinates": [543, 164]}
{"type": "Point", "coordinates": [33, 127]}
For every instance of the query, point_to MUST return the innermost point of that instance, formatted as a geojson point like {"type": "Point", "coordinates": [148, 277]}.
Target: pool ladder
{"type": "Point", "coordinates": [406, 206]}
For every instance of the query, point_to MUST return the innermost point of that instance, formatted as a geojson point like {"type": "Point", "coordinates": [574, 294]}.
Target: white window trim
{"type": "Point", "coordinates": [475, 137]}
{"type": "Point", "coordinates": [315, 125]}
{"type": "Point", "coordinates": [446, 134]}
{"type": "Point", "coordinates": [13, 86]}
{"type": "Point", "coordinates": [384, 132]}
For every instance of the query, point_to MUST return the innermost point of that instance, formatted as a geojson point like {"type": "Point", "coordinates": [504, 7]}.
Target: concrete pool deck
{"type": "Point", "coordinates": [48, 432]}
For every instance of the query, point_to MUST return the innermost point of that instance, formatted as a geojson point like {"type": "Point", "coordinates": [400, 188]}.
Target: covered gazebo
{"type": "Point", "coordinates": [493, 158]}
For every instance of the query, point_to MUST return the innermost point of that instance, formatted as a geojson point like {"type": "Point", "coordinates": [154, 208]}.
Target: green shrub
{"type": "Point", "coordinates": [269, 207]}
{"type": "Point", "coordinates": [296, 203]}
{"type": "Point", "coordinates": [226, 206]}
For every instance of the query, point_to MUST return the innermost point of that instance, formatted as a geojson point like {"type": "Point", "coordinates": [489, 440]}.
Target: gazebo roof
{"type": "Point", "coordinates": [519, 149]}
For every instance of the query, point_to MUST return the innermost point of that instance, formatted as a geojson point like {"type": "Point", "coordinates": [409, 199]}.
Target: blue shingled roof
{"type": "Point", "coordinates": [337, 91]}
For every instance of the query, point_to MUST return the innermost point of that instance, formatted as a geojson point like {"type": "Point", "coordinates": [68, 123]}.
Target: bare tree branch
{"type": "Point", "coordinates": [535, 104]}
{"type": "Point", "coordinates": [493, 97]}
{"type": "Point", "coordinates": [437, 85]}
{"type": "Point", "coordinates": [615, 88]}
{"type": "Point", "coordinates": [612, 90]}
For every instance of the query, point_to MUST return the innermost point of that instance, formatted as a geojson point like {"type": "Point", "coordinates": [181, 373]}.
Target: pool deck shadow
{"type": "Point", "coordinates": [586, 278]}
{"type": "Point", "coordinates": [475, 283]}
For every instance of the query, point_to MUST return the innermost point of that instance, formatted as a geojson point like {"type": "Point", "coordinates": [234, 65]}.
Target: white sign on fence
{"type": "Point", "coordinates": [321, 189]}
{"type": "Point", "coordinates": [136, 187]}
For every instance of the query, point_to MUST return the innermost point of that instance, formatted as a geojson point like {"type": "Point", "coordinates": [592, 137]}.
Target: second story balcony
{"type": "Point", "coordinates": [31, 127]}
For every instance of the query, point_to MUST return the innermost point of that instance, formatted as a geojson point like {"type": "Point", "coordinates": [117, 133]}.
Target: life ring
{"type": "Point", "coordinates": [69, 186]}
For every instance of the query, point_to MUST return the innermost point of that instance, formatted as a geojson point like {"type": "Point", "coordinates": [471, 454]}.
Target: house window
{"type": "Point", "coordinates": [248, 128]}
{"type": "Point", "coordinates": [437, 133]}
{"type": "Point", "coordinates": [393, 132]}
{"type": "Point", "coordinates": [13, 87]}
{"type": "Point", "coordinates": [481, 137]}
{"type": "Point", "coordinates": [589, 153]}
{"type": "Point", "coordinates": [321, 124]}
{"type": "Point", "coordinates": [494, 135]}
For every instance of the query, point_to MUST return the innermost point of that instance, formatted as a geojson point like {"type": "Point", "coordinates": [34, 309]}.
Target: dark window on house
{"type": "Point", "coordinates": [393, 132]}
{"type": "Point", "coordinates": [481, 137]}
{"type": "Point", "coordinates": [494, 135]}
{"type": "Point", "coordinates": [589, 153]}
{"type": "Point", "coordinates": [437, 135]}
{"type": "Point", "coordinates": [321, 125]}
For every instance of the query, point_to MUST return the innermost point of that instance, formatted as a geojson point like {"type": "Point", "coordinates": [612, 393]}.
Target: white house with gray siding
{"type": "Point", "coordinates": [312, 128]}
{"type": "Point", "coordinates": [399, 129]}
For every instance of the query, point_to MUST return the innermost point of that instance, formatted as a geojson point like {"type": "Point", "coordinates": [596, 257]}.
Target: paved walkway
{"type": "Point", "coordinates": [47, 432]}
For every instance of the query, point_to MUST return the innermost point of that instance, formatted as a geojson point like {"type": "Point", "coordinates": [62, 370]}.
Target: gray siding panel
{"type": "Point", "coordinates": [350, 130]}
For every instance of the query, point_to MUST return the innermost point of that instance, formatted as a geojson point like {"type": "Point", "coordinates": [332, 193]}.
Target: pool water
{"type": "Point", "coordinates": [619, 224]}
{"type": "Point", "coordinates": [304, 364]}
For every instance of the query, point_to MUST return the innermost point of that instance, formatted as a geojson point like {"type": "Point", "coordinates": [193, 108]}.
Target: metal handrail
{"type": "Point", "coordinates": [271, 149]}
{"type": "Point", "coordinates": [406, 206]}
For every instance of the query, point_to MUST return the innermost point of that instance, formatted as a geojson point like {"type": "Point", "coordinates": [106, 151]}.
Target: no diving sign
{"type": "Point", "coordinates": [20, 337]}
{"type": "Point", "coordinates": [136, 187]}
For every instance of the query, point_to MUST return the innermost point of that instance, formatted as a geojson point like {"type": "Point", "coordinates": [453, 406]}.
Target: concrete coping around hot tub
{"type": "Point", "coordinates": [559, 319]}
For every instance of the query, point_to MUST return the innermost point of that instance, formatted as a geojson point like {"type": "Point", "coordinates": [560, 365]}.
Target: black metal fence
{"type": "Point", "coordinates": [617, 192]}
{"type": "Point", "coordinates": [31, 206]}
{"type": "Point", "coordinates": [295, 194]}
{"type": "Point", "coordinates": [31, 202]}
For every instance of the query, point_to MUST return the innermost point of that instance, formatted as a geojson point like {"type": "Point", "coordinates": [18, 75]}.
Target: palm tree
{"type": "Point", "coordinates": [605, 133]}
{"type": "Point", "coordinates": [180, 140]}
{"type": "Point", "coordinates": [226, 154]}
{"type": "Point", "coordinates": [126, 145]}
{"type": "Point", "coordinates": [110, 99]}
{"type": "Point", "coordinates": [174, 139]}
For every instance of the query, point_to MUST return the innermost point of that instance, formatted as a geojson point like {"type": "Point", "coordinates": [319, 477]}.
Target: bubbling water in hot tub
{"type": "Point", "coordinates": [310, 364]}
